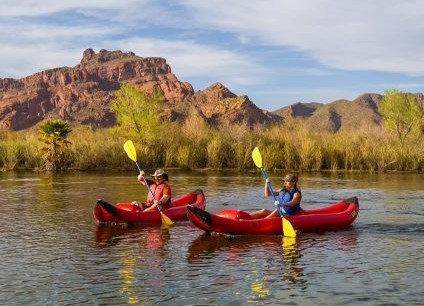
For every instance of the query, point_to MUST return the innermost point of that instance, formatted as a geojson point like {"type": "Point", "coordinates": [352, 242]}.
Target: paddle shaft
{"type": "Point", "coordinates": [147, 185]}
{"type": "Point", "coordinates": [288, 229]}
{"type": "Point", "coordinates": [270, 190]}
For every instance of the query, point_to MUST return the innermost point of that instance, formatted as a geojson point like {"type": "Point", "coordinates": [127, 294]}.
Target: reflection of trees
{"type": "Point", "coordinates": [51, 191]}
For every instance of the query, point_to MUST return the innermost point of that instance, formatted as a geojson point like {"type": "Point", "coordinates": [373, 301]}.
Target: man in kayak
{"type": "Point", "coordinates": [160, 188]}
{"type": "Point", "coordinates": [288, 199]}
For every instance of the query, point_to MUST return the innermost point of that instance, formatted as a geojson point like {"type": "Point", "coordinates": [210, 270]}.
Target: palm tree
{"type": "Point", "coordinates": [53, 135]}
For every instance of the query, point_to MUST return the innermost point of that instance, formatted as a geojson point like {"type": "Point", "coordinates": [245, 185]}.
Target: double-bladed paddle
{"type": "Point", "coordinates": [288, 229]}
{"type": "Point", "coordinates": [132, 154]}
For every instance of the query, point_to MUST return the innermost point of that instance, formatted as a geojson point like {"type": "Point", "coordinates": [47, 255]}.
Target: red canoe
{"type": "Point", "coordinates": [128, 213]}
{"type": "Point", "coordinates": [236, 222]}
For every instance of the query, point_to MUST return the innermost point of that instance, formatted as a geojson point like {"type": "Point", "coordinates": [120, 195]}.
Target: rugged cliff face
{"type": "Point", "coordinates": [83, 94]}
{"type": "Point", "coordinates": [219, 105]}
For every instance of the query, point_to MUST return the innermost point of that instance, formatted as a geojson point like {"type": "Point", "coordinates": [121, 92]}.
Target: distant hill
{"type": "Point", "coordinates": [340, 115]}
{"type": "Point", "coordinates": [83, 94]}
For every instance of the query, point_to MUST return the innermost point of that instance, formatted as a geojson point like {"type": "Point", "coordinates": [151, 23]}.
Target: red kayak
{"type": "Point", "coordinates": [236, 222]}
{"type": "Point", "coordinates": [129, 213]}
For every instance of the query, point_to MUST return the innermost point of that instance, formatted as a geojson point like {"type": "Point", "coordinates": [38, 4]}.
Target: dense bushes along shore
{"type": "Point", "coordinates": [194, 146]}
{"type": "Point", "coordinates": [54, 145]}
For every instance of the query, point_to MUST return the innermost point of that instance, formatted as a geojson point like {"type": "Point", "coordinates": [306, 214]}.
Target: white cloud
{"type": "Point", "coordinates": [384, 35]}
{"type": "Point", "coordinates": [381, 35]}
{"type": "Point", "coordinates": [249, 46]}
{"type": "Point", "coordinates": [28, 48]}
{"type": "Point", "coordinates": [35, 7]}
{"type": "Point", "coordinates": [21, 62]}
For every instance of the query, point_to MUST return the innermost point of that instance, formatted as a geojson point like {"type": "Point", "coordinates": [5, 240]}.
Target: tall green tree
{"type": "Point", "coordinates": [401, 112]}
{"type": "Point", "coordinates": [53, 134]}
{"type": "Point", "coordinates": [137, 113]}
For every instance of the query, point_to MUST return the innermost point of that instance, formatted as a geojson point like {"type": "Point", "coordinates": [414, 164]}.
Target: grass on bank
{"type": "Point", "coordinates": [196, 145]}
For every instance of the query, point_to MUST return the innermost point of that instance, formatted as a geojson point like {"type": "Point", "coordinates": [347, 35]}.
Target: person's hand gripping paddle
{"type": "Point", "coordinates": [288, 229]}
{"type": "Point", "coordinates": [132, 154]}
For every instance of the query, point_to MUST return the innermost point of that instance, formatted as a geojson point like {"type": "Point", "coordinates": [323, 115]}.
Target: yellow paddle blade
{"type": "Point", "coordinates": [288, 243]}
{"type": "Point", "coordinates": [130, 150]}
{"type": "Point", "coordinates": [288, 229]}
{"type": "Point", "coordinates": [257, 158]}
{"type": "Point", "coordinates": [165, 219]}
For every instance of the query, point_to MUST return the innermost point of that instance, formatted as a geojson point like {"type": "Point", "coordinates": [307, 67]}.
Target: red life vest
{"type": "Point", "coordinates": [158, 192]}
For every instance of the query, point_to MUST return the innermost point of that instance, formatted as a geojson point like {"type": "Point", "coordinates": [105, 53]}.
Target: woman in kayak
{"type": "Point", "coordinates": [288, 199]}
{"type": "Point", "coordinates": [160, 188]}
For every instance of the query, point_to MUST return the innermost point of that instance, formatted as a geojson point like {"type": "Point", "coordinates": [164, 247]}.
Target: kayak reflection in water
{"type": "Point", "coordinates": [289, 197]}
{"type": "Point", "coordinates": [149, 236]}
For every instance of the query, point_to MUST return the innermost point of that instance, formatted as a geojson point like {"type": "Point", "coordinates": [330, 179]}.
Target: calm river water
{"type": "Point", "coordinates": [53, 252]}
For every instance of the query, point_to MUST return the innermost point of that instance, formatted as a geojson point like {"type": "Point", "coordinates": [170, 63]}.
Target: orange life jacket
{"type": "Point", "coordinates": [158, 192]}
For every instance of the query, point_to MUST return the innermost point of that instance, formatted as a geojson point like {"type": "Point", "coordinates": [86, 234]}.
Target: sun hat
{"type": "Point", "coordinates": [290, 178]}
{"type": "Point", "coordinates": [158, 172]}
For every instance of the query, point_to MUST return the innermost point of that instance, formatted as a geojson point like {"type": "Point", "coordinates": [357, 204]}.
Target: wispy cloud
{"type": "Point", "coordinates": [260, 48]}
{"type": "Point", "coordinates": [379, 35]}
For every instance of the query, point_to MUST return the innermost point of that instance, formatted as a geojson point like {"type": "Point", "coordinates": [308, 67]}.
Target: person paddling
{"type": "Point", "coordinates": [289, 197]}
{"type": "Point", "coordinates": [160, 188]}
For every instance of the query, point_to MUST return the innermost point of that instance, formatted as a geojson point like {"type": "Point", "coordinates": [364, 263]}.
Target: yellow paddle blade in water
{"type": "Point", "coordinates": [257, 158]}
{"type": "Point", "coordinates": [288, 244]}
{"type": "Point", "coordinates": [288, 229]}
{"type": "Point", "coordinates": [130, 150]}
{"type": "Point", "coordinates": [165, 219]}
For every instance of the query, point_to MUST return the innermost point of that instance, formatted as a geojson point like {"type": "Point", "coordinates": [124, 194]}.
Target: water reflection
{"type": "Point", "coordinates": [127, 275]}
{"type": "Point", "coordinates": [205, 245]}
{"type": "Point", "coordinates": [47, 224]}
{"type": "Point", "coordinates": [138, 246]}
{"type": "Point", "coordinates": [152, 237]}
{"type": "Point", "coordinates": [282, 261]}
{"type": "Point", "coordinates": [293, 271]}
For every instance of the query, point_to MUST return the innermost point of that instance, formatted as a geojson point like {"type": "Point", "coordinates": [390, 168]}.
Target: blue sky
{"type": "Point", "coordinates": [277, 52]}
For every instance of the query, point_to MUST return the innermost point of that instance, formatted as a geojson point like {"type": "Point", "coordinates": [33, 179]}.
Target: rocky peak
{"type": "Point", "coordinates": [369, 100]}
{"type": "Point", "coordinates": [299, 109]}
{"type": "Point", "coordinates": [84, 93]}
{"type": "Point", "coordinates": [218, 103]}
{"type": "Point", "coordinates": [90, 57]}
{"type": "Point", "coordinates": [217, 91]}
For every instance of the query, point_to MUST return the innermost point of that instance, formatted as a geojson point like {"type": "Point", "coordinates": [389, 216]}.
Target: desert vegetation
{"type": "Point", "coordinates": [398, 146]}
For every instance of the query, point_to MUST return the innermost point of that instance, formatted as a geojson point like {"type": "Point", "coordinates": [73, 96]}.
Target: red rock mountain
{"type": "Point", "coordinates": [83, 94]}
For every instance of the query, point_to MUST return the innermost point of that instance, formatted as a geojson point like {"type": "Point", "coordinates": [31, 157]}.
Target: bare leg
{"type": "Point", "coordinates": [150, 208]}
{"type": "Point", "coordinates": [262, 213]}
{"type": "Point", "coordinates": [275, 213]}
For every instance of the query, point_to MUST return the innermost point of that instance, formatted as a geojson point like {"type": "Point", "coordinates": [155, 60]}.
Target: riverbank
{"type": "Point", "coordinates": [296, 149]}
